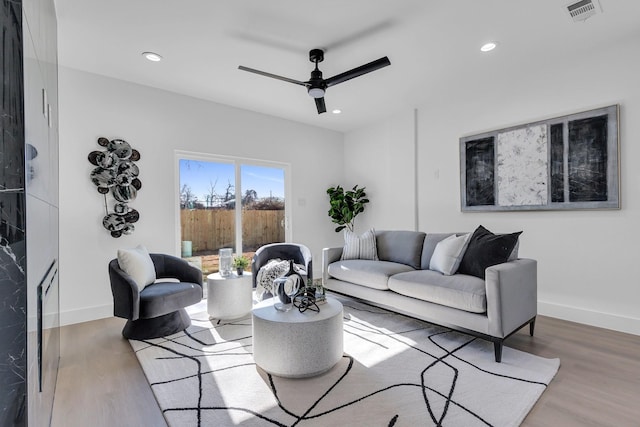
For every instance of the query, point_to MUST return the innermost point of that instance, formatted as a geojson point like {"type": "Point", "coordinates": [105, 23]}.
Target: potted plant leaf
{"type": "Point", "coordinates": [346, 205]}
{"type": "Point", "coordinates": [240, 263]}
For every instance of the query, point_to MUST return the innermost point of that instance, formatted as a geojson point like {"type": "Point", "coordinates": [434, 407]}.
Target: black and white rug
{"type": "Point", "coordinates": [396, 371]}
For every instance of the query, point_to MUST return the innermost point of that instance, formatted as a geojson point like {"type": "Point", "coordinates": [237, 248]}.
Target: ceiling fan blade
{"type": "Point", "coordinates": [320, 105]}
{"type": "Point", "coordinates": [356, 72]}
{"type": "Point", "coordinates": [273, 76]}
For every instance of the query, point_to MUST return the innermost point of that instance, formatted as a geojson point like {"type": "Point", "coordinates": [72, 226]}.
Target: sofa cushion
{"type": "Point", "coordinates": [360, 247]}
{"type": "Point", "coordinates": [459, 291]}
{"type": "Point", "coordinates": [165, 297]}
{"type": "Point", "coordinates": [486, 249]}
{"type": "Point", "coordinates": [404, 247]}
{"type": "Point", "coordinates": [372, 274]}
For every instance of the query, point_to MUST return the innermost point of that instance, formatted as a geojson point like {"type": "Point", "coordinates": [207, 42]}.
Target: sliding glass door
{"type": "Point", "coordinates": [229, 203]}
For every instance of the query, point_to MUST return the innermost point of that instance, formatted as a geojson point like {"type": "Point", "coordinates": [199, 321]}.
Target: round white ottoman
{"type": "Point", "coordinates": [229, 297]}
{"type": "Point", "coordinates": [294, 344]}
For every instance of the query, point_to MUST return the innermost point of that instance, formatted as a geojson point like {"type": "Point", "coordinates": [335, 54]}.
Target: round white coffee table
{"type": "Point", "coordinates": [294, 344]}
{"type": "Point", "coordinates": [229, 297]}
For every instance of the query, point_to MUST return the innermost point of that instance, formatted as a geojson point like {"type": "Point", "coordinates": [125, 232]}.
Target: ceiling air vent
{"type": "Point", "coordinates": [583, 9]}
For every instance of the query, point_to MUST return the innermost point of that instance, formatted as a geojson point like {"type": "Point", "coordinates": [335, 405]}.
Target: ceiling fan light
{"type": "Point", "coordinates": [152, 56]}
{"type": "Point", "coordinates": [488, 47]}
{"type": "Point", "coordinates": [316, 92]}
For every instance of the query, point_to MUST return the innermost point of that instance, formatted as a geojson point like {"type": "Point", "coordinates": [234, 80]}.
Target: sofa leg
{"type": "Point", "coordinates": [532, 326]}
{"type": "Point", "coordinates": [497, 349]}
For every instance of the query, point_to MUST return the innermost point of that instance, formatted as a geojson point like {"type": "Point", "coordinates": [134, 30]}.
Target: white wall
{"type": "Point", "coordinates": [382, 159]}
{"type": "Point", "coordinates": [587, 260]}
{"type": "Point", "coordinates": [156, 123]}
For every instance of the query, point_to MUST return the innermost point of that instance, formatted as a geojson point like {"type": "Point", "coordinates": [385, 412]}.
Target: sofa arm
{"type": "Point", "coordinates": [329, 255]}
{"type": "Point", "coordinates": [512, 295]}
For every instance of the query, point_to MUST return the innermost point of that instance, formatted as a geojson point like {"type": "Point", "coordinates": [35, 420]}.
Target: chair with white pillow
{"type": "Point", "coordinates": [300, 254]}
{"type": "Point", "coordinates": [151, 292]}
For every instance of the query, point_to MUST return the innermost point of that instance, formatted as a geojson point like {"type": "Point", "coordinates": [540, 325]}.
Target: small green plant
{"type": "Point", "coordinates": [346, 205]}
{"type": "Point", "coordinates": [241, 262]}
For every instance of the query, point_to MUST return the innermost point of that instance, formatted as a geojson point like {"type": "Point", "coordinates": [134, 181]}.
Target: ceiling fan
{"type": "Point", "coordinates": [316, 85]}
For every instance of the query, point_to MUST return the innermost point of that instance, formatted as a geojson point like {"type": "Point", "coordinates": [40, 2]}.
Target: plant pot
{"type": "Point", "coordinates": [240, 271]}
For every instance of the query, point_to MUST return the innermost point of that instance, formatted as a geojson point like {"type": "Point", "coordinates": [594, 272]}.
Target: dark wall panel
{"type": "Point", "coordinates": [13, 298]}
{"type": "Point", "coordinates": [479, 172]}
{"type": "Point", "coordinates": [557, 162]}
{"type": "Point", "coordinates": [588, 160]}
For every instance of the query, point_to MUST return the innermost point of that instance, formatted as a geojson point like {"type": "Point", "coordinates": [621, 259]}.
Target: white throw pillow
{"type": "Point", "coordinates": [448, 254]}
{"type": "Point", "coordinates": [137, 263]}
{"type": "Point", "coordinates": [360, 247]}
{"type": "Point", "coordinates": [514, 253]}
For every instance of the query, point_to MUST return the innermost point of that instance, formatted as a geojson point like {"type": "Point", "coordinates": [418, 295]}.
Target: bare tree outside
{"type": "Point", "coordinates": [212, 196]}
{"type": "Point", "coordinates": [187, 198]}
{"type": "Point", "coordinates": [250, 196]}
{"type": "Point", "coordinates": [229, 194]}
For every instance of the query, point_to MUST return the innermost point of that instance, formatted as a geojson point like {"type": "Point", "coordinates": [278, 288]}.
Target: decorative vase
{"type": "Point", "coordinates": [186, 248]}
{"type": "Point", "coordinates": [286, 288]}
{"type": "Point", "coordinates": [225, 255]}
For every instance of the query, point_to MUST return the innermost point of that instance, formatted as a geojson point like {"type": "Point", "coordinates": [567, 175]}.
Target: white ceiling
{"type": "Point", "coordinates": [432, 44]}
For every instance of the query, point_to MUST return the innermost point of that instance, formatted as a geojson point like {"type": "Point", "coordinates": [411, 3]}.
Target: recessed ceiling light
{"type": "Point", "coordinates": [152, 56]}
{"type": "Point", "coordinates": [487, 47]}
{"type": "Point", "coordinates": [336, 111]}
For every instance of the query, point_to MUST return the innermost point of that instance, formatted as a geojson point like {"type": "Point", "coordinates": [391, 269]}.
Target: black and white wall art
{"type": "Point", "coordinates": [116, 173]}
{"type": "Point", "coordinates": [568, 162]}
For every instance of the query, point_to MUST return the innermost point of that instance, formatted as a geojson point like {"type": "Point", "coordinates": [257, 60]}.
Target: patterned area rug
{"type": "Point", "coordinates": [396, 371]}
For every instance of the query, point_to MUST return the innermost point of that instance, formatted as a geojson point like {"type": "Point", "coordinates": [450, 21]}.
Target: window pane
{"type": "Point", "coordinates": [207, 211]}
{"type": "Point", "coordinates": [209, 192]}
{"type": "Point", "coordinates": [263, 203]}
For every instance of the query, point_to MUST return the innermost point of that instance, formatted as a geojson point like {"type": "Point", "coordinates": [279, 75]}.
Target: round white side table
{"type": "Point", "coordinates": [229, 297]}
{"type": "Point", "coordinates": [294, 344]}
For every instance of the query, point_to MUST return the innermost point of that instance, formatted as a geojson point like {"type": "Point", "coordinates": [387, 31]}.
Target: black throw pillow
{"type": "Point", "coordinates": [486, 249]}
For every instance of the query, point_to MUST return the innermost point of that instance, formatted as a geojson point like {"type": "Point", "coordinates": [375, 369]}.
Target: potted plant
{"type": "Point", "coordinates": [346, 205]}
{"type": "Point", "coordinates": [240, 263]}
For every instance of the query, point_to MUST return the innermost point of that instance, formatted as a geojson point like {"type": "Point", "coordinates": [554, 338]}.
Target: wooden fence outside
{"type": "Point", "coordinates": [212, 229]}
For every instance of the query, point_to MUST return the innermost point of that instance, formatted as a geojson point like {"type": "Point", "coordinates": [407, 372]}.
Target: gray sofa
{"type": "Point", "coordinates": [492, 309]}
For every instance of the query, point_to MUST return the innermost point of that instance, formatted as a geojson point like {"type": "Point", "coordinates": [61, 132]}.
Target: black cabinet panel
{"type": "Point", "coordinates": [23, 258]}
{"type": "Point", "coordinates": [11, 94]}
{"type": "Point", "coordinates": [13, 289]}
{"type": "Point", "coordinates": [12, 332]}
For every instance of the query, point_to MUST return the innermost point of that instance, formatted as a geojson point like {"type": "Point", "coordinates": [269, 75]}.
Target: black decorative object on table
{"type": "Point", "coordinates": [304, 302]}
{"type": "Point", "coordinates": [286, 287]}
{"type": "Point", "coordinates": [117, 173]}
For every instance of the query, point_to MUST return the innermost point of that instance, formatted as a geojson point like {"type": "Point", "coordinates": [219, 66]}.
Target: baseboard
{"type": "Point", "coordinates": [629, 325]}
{"type": "Point", "coordinates": [70, 317]}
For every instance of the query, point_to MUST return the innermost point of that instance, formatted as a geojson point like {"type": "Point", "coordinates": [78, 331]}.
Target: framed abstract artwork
{"type": "Point", "coordinates": [568, 162]}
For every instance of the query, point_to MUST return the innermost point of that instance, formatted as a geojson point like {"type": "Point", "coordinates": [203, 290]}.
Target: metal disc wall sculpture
{"type": "Point", "coordinates": [116, 173]}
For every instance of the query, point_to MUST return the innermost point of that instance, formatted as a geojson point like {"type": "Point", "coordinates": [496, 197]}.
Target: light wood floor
{"type": "Point", "coordinates": [100, 382]}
